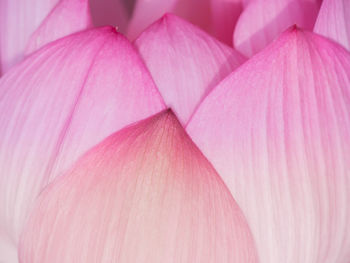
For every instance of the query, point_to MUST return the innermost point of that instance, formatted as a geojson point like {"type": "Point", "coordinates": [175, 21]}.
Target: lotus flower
{"type": "Point", "coordinates": [219, 133]}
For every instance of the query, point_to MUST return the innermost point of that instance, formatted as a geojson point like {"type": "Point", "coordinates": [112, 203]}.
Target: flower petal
{"type": "Point", "coordinates": [278, 131]}
{"type": "Point", "coordinates": [145, 194]}
{"type": "Point", "coordinates": [57, 104]}
{"type": "Point", "coordinates": [68, 16]}
{"type": "Point", "coordinates": [333, 21]}
{"type": "Point", "coordinates": [225, 14]}
{"type": "Point", "coordinates": [185, 62]}
{"type": "Point", "coordinates": [263, 20]}
{"type": "Point", "coordinates": [18, 20]}
{"type": "Point", "coordinates": [148, 11]}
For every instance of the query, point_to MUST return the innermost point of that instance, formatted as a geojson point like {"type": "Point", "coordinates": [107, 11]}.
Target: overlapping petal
{"type": "Point", "coordinates": [185, 62]}
{"type": "Point", "coordinates": [57, 104]}
{"type": "Point", "coordinates": [147, 12]}
{"type": "Point", "coordinates": [278, 132]}
{"type": "Point", "coordinates": [67, 17]}
{"type": "Point", "coordinates": [145, 194]}
{"type": "Point", "coordinates": [333, 21]}
{"type": "Point", "coordinates": [18, 20]}
{"type": "Point", "coordinates": [263, 20]}
{"type": "Point", "coordinates": [218, 17]}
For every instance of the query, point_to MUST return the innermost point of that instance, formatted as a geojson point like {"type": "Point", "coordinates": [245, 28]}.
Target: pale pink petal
{"type": "Point", "coordinates": [185, 62]}
{"type": "Point", "coordinates": [264, 20]}
{"type": "Point", "coordinates": [18, 20]}
{"type": "Point", "coordinates": [148, 11]}
{"type": "Point", "coordinates": [145, 194]}
{"type": "Point", "coordinates": [278, 132]}
{"type": "Point", "coordinates": [8, 250]}
{"type": "Point", "coordinates": [225, 14]}
{"type": "Point", "coordinates": [110, 12]}
{"type": "Point", "coordinates": [333, 21]}
{"type": "Point", "coordinates": [58, 103]}
{"type": "Point", "coordinates": [68, 16]}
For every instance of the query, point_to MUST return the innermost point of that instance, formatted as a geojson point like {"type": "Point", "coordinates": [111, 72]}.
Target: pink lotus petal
{"type": "Point", "coordinates": [145, 194]}
{"type": "Point", "coordinates": [185, 62]}
{"type": "Point", "coordinates": [58, 103]}
{"type": "Point", "coordinates": [67, 17]}
{"type": "Point", "coordinates": [18, 20]}
{"type": "Point", "coordinates": [278, 131]}
{"type": "Point", "coordinates": [215, 16]}
{"type": "Point", "coordinates": [263, 20]}
{"type": "Point", "coordinates": [225, 14]}
{"type": "Point", "coordinates": [148, 11]}
{"type": "Point", "coordinates": [333, 21]}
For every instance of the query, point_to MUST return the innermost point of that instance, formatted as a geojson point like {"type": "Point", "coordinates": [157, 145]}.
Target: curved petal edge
{"type": "Point", "coordinates": [144, 194]}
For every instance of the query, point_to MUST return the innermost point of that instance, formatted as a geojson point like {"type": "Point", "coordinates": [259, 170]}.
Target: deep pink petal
{"type": "Point", "coordinates": [58, 103]}
{"type": "Point", "coordinates": [18, 20]}
{"type": "Point", "coordinates": [278, 132]}
{"type": "Point", "coordinates": [68, 16]}
{"type": "Point", "coordinates": [185, 62]}
{"type": "Point", "coordinates": [264, 20]}
{"type": "Point", "coordinates": [333, 21]}
{"type": "Point", "coordinates": [147, 12]}
{"type": "Point", "coordinates": [145, 194]}
{"type": "Point", "coordinates": [225, 14]}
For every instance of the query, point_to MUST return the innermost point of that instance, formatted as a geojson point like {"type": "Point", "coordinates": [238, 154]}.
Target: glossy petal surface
{"type": "Point", "coordinates": [278, 131]}
{"type": "Point", "coordinates": [57, 104]}
{"type": "Point", "coordinates": [185, 62]}
{"type": "Point", "coordinates": [18, 20]}
{"type": "Point", "coordinates": [145, 194]}
{"type": "Point", "coordinates": [333, 21]}
{"type": "Point", "coordinates": [263, 20]}
{"type": "Point", "coordinates": [68, 16]}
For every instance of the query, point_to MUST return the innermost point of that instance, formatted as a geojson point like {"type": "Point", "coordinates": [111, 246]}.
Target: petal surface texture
{"type": "Point", "coordinates": [68, 16]}
{"type": "Point", "coordinates": [333, 21]}
{"type": "Point", "coordinates": [264, 20]}
{"type": "Point", "coordinates": [57, 104]}
{"type": "Point", "coordinates": [145, 194]}
{"type": "Point", "coordinates": [18, 20]}
{"type": "Point", "coordinates": [185, 62]}
{"type": "Point", "coordinates": [278, 132]}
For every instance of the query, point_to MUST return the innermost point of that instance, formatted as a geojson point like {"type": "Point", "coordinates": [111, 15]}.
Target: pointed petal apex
{"type": "Point", "coordinates": [277, 131]}
{"type": "Point", "coordinates": [57, 104]}
{"type": "Point", "coordinates": [263, 21]}
{"type": "Point", "coordinates": [141, 19]}
{"type": "Point", "coordinates": [148, 11]}
{"type": "Point", "coordinates": [185, 62]}
{"type": "Point", "coordinates": [144, 194]}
